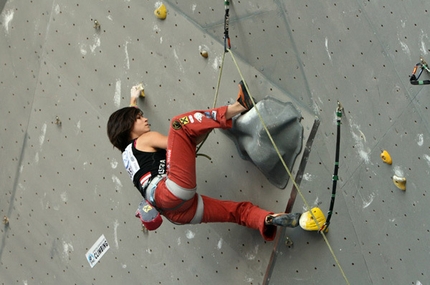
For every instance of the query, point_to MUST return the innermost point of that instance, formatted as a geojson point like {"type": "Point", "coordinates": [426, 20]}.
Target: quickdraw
{"type": "Point", "coordinates": [414, 78]}
{"type": "Point", "coordinates": [226, 26]}
{"type": "Point", "coordinates": [339, 111]}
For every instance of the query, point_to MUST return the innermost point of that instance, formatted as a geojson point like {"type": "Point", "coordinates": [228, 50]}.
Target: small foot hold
{"type": "Point", "coordinates": [307, 221]}
{"type": "Point", "coordinates": [400, 182]}
{"type": "Point", "coordinates": [289, 242]}
{"type": "Point", "coordinates": [57, 121]}
{"type": "Point", "coordinates": [144, 230]}
{"type": "Point", "coordinates": [97, 25]}
{"type": "Point", "coordinates": [204, 53]}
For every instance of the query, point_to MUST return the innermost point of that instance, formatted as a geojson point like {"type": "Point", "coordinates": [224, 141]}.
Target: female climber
{"type": "Point", "coordinates": [163, 168]}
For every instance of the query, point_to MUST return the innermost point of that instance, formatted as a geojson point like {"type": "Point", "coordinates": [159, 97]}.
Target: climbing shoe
{"type": "Point", "coordinates": [289, 220]}
{"type": "Point", "coordinates": [307, 221]}
{"type": "Point", "coordinates": [243, 97]}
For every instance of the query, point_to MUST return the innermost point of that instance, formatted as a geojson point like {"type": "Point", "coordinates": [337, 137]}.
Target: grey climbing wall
{"type": "Point", "coordinates": [63, 186]}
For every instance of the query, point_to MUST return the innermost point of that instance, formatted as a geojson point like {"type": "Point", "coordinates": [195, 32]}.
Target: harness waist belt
{"type": "Point", "coordinates": [150, 190]}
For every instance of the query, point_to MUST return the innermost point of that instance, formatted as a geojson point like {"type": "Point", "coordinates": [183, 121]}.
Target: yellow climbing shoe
{"type": "Point", "coordinates": [161, 12]}
{"type": "Point", "coordinates": [307, 221]}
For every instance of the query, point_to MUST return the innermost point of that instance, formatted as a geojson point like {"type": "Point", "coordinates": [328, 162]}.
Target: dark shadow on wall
{"type": "Point", "coordinates": [2, 4]}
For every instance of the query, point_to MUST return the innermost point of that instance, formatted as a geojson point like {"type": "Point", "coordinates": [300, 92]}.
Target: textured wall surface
{"type": "Point", "coordinates": [63, 186]}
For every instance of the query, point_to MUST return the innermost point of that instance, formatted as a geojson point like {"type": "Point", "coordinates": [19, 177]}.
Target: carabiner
{"type": "Point", "coordinates": [422, 65]}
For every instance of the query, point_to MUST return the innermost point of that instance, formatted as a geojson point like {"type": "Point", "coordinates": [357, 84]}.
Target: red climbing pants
{"type": "Point", "coordinates": [176, 196]}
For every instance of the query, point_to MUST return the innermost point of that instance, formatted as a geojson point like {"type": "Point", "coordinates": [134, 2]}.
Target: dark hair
{"type": "Point", "coordinates": [119, 126]}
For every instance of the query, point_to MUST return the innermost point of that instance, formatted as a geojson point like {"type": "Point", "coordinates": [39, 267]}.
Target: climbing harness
{"type": "Point", "coordinates": [339, 111]}
{"type": "Point", "coordinates": [422, 65]}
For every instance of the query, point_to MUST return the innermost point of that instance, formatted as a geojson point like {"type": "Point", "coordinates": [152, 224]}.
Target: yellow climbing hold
{"type": "Point", "coordinates": [400, 182]}
{"type": "Point", "coordinates": [307, 221]}
{"type": "Point", "coordinates": [204, 53]}
{"type": "Point", "coordinates": [161, 12]}
{"type": "Point", "coordinates": [386, 157]}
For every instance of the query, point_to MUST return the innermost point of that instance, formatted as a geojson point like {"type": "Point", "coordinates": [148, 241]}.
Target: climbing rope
{"type": "Point", "coordinates": [414, 78]}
